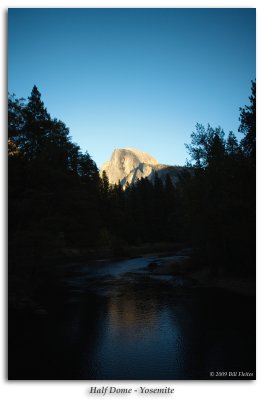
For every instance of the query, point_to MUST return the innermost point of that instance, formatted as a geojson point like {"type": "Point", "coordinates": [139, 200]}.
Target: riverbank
{"type": "Point", "coordinates": [175, 260]}
{"type": "Point", "coordinates": [202, 277]}
{"type": "Point", "coordinates": [121, 250]}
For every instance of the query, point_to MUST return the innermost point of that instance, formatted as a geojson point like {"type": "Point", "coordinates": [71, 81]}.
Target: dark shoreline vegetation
{"type": "Point", "coordinates": [63, 215]}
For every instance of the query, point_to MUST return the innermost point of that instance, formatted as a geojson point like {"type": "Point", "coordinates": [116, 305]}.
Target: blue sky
{"type": "Point", "coordinates": [135, 77]}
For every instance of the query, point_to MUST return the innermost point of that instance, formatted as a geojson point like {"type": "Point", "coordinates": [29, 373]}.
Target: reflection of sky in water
{"type": "Point", "coordinates": [126, 323]}
{"type": "Point", "coordinates": [133, 333]}
{"type": "Point", "coordinates": [139, 331]}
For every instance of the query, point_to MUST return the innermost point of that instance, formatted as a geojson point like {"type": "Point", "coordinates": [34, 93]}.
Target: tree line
{"type": "Point", "coordinates": [59, 206]}
{"type": "Point", "coordinates": [220, 197]}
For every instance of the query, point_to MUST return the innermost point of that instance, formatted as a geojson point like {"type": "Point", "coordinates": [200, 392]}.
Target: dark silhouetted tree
{"type": "Point", "coordinates": [248, 124]}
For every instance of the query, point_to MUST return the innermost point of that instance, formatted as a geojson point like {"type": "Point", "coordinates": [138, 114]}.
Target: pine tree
{"type": "Point", "coordinates": [37, 124]}
{"type": "Point", "coordinates": [248, 124]}
{"type": "Point", "coordinates": [105, 187]}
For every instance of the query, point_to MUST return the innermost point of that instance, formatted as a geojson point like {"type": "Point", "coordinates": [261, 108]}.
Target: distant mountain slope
{"type": "Point", "coordinates": [129, 165]}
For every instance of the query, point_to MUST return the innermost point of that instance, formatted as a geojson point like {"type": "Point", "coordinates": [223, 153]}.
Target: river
{"type": "Point", "coordinates": [116, 320]}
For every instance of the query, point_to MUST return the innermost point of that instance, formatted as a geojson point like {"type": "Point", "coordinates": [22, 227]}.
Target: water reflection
{"type": "Point", "coordinates": [129, 315]}
{"type": "Point", "coordinates": [133, 327]}
{"type": "Point", "coordinates": [139, 338]}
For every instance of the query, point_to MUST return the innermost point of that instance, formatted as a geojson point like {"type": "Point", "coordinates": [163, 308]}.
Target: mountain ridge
{"type": "Point", "coordinates": [128, 165]}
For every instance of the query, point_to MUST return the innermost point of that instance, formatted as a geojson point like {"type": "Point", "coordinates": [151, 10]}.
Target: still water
{"type": "Point", "coordinates": [115, 320]}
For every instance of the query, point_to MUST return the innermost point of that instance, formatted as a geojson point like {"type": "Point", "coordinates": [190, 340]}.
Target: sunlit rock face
{"type": "Point", "coordinates": [129, 165]}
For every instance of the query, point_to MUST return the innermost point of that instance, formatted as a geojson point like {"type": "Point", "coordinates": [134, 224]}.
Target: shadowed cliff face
{"type": "Point", "coordinates": [129, 165]}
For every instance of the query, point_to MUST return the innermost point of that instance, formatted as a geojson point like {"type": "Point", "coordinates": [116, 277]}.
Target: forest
{"type": "Point", "coordinates": [61, 210]}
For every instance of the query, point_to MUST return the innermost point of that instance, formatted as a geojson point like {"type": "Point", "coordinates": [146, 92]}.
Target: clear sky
{"type": "Point", "coordinates": [135, 77]}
